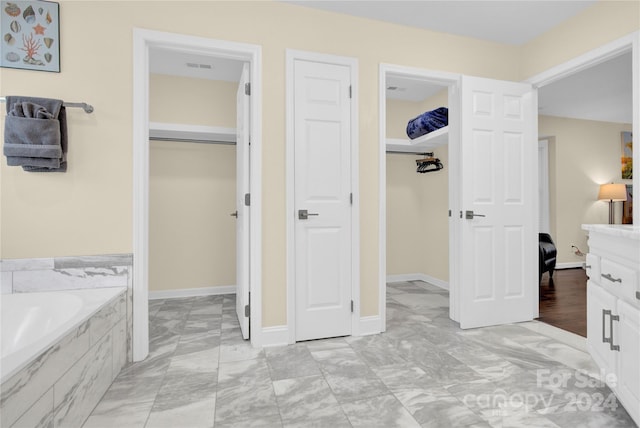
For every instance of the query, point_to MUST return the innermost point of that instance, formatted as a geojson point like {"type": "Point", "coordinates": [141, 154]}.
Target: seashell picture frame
{"type": "Point", "coordinates": [31, 35]}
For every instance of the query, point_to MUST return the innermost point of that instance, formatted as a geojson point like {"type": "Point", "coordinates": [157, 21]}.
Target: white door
{"type": "Point", "coordinates": [498, 232]}
{"type": "Point", "coordinates": [242, 203]}
{"type": "Point", "coordinates": [322, 188]}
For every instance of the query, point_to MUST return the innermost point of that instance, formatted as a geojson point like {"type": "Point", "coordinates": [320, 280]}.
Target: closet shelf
{"type": "Point", "coordinates": [421, 144]}
{"type": "Point", "coordinates": [191, 133]}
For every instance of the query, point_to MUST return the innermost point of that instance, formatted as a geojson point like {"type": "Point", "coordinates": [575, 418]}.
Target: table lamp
{"type": "Point", "coordinates": [613, 193]}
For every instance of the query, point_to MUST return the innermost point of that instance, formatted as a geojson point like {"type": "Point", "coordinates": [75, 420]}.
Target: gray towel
{"type": "Point", "coordinates": [35, 134]}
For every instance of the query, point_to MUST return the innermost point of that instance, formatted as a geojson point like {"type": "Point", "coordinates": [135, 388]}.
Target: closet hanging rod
{"type": "Point", "coordinates": [88, 108]}
{"type": "Point", "coordinates": [402, 152]}
{"type": "Point", "coordinates": [193, 140]}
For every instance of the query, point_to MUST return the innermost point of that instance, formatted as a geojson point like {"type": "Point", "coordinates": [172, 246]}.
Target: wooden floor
{"type": "Point", "coordinates": [563, 302]}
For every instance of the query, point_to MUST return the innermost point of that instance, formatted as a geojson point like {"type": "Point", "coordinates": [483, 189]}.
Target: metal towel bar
{"type": "Point", "coordinates": [86, 107]}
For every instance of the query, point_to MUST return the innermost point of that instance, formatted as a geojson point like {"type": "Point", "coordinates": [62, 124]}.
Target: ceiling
{"type": "Point", "coordinates": [505, 21]}
{"type": "Point", "coordinates": [186, 64]}
{"type": "Point", "coordinates": [602, 92]}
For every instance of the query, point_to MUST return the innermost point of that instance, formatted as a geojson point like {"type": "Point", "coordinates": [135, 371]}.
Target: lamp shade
{"type": "Point", "coordinates": [613, 192]}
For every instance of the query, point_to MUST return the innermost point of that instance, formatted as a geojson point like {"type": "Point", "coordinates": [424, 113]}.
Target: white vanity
{"type": "Point", "coordinates": [613, 309]}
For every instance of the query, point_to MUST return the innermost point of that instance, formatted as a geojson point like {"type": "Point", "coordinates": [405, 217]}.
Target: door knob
{"type": "Point", "coordinates": [304, 214]}
{"type": "Point", "coordinates": [234, 214]}
{"type": "Point", "coordinates": [469, 215]}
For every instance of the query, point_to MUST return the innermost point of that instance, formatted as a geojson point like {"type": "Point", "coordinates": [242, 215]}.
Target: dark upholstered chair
{"type": "Point", "coordinates": [547, 259]}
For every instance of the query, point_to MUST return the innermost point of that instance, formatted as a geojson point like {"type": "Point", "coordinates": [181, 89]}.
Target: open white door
{"type": "Point", "coordinates": [498, 265]}
{"type": "Point", "coordinates": [322, 145]}
{"type": "Point", "coordinates": [242, 203]}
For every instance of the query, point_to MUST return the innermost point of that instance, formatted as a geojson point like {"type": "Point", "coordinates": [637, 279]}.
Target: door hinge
{"type": "Point", "coordinates": [247, 199]}
{"type": "Point", "coordinates": [351, 198]}
{"type": "Point", "coordinates": [350, 91]}
{"type": "Point", "coordinates": [247, 88]}
{"type": "Point", "coordinates": [352, 306]}
{"type": "Point", "coordinates": [449, 213]}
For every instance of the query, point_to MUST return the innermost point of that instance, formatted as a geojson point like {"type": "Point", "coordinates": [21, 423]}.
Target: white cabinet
{"type": "Point", "coordinates": [600, 308]}
{"type": "Point", "coordinates": [613, 309]}
{"type": "Point", "coordinates": [629, 357]}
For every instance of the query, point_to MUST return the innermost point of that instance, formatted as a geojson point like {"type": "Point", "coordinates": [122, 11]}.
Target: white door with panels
{"type": "Point", "coordinates": [322, 199]}
{"type": "Point", "coordinates": [498, 173]}
{"type": "Point", "coordinates": [242, 202]}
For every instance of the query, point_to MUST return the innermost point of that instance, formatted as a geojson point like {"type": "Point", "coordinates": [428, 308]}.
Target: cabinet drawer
{"type": "Point", "coordinates": [592, 267]}
{"type": "Point", "coordinates": [619, 280]}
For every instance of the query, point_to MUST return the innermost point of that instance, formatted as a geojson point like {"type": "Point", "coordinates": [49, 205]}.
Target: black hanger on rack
{"type": "Point", "coordinates": [428, 164]}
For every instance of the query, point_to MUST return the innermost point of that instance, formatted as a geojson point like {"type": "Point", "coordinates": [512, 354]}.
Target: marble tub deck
{"type": "Point", "coordinates": [424, 371]}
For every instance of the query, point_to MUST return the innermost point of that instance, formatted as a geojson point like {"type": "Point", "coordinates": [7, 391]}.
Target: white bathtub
{"type": "Point", "coordinates": [33, 322]}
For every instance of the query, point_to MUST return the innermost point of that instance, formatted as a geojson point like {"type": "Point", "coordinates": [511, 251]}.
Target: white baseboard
{"type": "Point", "coordinates": [275, 336]}
{"type": "Point", "coordinates": [572, 265]}
{"type": "Point", "coordinates": [369, 325]}
{"type": "Point", "coordinates": [192, 292]}
{"type": "Point", "coordinates": [418, 277]}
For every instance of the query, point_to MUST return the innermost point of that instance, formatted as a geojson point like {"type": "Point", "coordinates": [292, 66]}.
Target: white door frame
{"type": "Point", "coordinates": [452, 80]}
{"type": "Point", "coordinates": [543, 175]}
{"type": "Point", "coordinates": [352, 63]}
{"type": "Point", "coordinates": [143, 40]}
{"type": "Point", "coordinates": [597, 56]}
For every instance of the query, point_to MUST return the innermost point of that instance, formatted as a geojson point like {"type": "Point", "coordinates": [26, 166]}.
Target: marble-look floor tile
{"type": "Point", "coordinates": [423, 370]}
{"type": "Point", "coordinates": [340, 361]}
{"type": "Point", "coordinates": [129, 414]}
{"type": "Point", "coordinates": [187, 398]}
{"type": "Point", "coordinates": [242, 401]}
{"type": "Point", "coordinates": [404, 375]}
{"type": "Point", "coordinates": [435, 407]}
{"type": "Point", "coordinates": [251, 421]}
{"type": "Point", "coordinates": [237, 349]}
{"type": "Point", "coordinates": [291, 361]}
{"type": "Point", "coordinates": [376, 350]}
{"type": "Point", "coordinates": [385, 411]}
{"type": "Point", "coordinates": [356, 386]}
{"type": "Point", "coordinates": [308, 401]}
{"type": "Point", "coordinates": [618, 418]}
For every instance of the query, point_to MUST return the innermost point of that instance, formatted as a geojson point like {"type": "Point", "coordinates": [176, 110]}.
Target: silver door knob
{"type": "Point", "coordinates": [304, 214]}
{"type": "Point", "coordinates": [469, 215]}
{"type": "Point", "coordinates": [234, 214]}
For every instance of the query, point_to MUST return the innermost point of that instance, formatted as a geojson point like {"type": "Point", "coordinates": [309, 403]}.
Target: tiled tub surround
{"type": "Point", "coordinates": [61, 385]}
{"type": "Point", "coordinates": [71, 273]}
{"type": "Point", "coordinates": [66, 273]}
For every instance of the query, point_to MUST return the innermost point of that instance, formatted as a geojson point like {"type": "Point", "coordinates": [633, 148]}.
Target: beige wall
{"type": "Point", "coordinates": [583, 154]}
{"type": "Point", "coordinates": [598, 25]}
{"type": "Point", "coordinates": [88, 210]}
{"type": "Point", "coordinates": [192, 187]}
{"type": "Point", "coordinates": [174, 99]}
{"type": "Point", "coordinates": [417, 204]}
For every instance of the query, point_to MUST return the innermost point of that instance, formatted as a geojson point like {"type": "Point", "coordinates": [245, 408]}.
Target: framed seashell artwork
{"type": "Point", "coordinates": [30, 35]}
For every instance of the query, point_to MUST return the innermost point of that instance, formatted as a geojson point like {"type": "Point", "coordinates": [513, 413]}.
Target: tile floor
{"type": "Point", "coordinates": [424, 371]}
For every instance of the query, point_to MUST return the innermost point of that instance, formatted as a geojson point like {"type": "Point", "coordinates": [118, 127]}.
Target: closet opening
{"type": "Point", "coordinates": [416, 235]}
{"type": "Point", "coordinates": [198, 176]}
{"type": "Point", "coordinates": [202, 55]}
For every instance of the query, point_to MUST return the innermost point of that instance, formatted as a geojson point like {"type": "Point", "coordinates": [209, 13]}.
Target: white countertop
{"type": "Point", "coordinates": [623, 230]}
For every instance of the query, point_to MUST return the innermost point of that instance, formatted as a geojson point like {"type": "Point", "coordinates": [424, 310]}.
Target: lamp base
{"type": "Point", "coordinates": [610, 212]}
